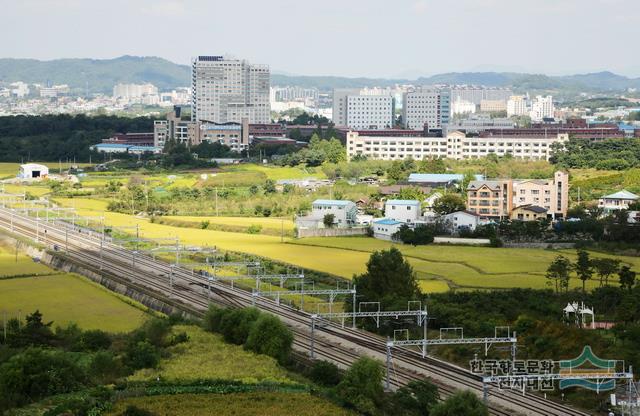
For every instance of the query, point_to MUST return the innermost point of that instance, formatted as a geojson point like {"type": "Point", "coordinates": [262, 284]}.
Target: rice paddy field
{"type": "Point", "coordinates": [62, 297]}
{"type": "Point", "coordinates": [439, 267]}
{"type": "Point", "coordinates": [235, 404]}
{"type": "Point", "coordinates": [207, 356]}
{"type": "Point", "coordinates": [268, 223]}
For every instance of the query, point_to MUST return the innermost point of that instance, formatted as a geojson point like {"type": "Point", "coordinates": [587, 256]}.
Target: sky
{"type": "Point", "coordinates": [370, 38]}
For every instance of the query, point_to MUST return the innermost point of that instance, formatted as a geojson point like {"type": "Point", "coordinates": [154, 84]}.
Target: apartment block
{"type": "Point", "coordinates": [541, 108]}
{"type": "Point", "coordinates": [425, 105]}
{"type": "Point", "coordinates": [456, 145]}
{"type": "Point", "coordinates": [518, 105]}
{"type": "Point", "coordinates": [227, 90]}
{"type": "Point", "coordinates": [510, 198]}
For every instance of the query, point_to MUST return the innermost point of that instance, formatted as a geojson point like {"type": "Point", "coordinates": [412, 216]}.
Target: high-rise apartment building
{"type": "Point", "coordinates": [541, 108]}
{"type": "Point", "coordinates": [425, 105]}
{"type": "Point", "coordinates": [228, 90]}
{"type": "Point", "coordinates": [518, 105]}
{"type": "Point", "coordinates": [475, 94]}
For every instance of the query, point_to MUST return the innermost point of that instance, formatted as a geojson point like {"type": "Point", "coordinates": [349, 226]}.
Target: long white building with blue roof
{"type": "Point", "coordinates": [344, 214]}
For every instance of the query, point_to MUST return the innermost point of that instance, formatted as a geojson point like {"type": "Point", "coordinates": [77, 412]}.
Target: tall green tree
{"type": "Point", "coordinates": [361, 386]}
{"type": "Point", "coordinates": [583, 268]}
{"type": "Point", "coordinates": [605, 267]}
{"type": "Point", "coordinates": [389, 279]}
{"type": "Point", "coordinates": [558, 272]}
{"type": "Point", "coordinates": [417, 398]}
{"type": "Point", "coordinates": [627, 278]}
{"type": "Point", "coordinates": [449, 203]}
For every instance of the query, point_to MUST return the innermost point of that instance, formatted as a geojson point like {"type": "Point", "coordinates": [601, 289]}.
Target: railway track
{"type": "Point", "coordinates": [333, 342]}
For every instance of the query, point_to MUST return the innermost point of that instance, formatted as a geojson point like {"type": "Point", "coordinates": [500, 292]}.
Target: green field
{"type": "Point", "coordinates": [66, 298]}
{"type": "Point", "coordinates": [20, 265]}
{"type": "Point", "coordinates": [207, 356]}
{"type": "Point", "coordinates": [235, 404]}
{"type": "Point", "coordinates": [278, 172]}
{"type": "Point", "coordinates": [270, 222]}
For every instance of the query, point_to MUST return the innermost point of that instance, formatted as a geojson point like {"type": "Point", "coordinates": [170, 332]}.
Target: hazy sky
{"type": "Point", "coordinates": [375, 38]}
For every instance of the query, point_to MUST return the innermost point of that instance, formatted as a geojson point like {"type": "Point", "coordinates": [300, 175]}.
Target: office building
{"type": "Point", "coordinates": [226, 90]}
{"type": "Point", "coordinates": [493, 106]}
{"type": "Point", "coordinates": [475, 94]}
{"type": "Point", "coordinates": [134, 91]}
{"type": "Point", "coordinates": [425, 105]}
{"type": "Point", "coordinates": [362, 110]}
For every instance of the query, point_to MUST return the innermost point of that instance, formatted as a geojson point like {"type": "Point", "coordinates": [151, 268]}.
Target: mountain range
{"type": "Point", "coordinates": [100, 75]}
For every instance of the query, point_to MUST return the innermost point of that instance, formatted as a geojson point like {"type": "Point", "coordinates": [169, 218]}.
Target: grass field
{"type": "Point", "coordinates": [24, 266]}
{"type": "Point", "coordinates": [235, 404]}
{"type": "Point", "coordinates": [66, 298]}
{"type": "Point", "coordinates": [270, 222]}
{"type": "Point", "coordinates": [441, 266]}
{"type": "Point", "coordinates": [278, 172]}
{"type": "Point", "coordinates": [207, 356]}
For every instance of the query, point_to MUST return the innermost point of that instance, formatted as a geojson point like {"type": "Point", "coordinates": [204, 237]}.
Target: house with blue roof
{"type": "Point", "coordinates": [438, 180]}
{"type": "Point", "coordinates": [385, 228]}
{"type": "Point", "coordinates": [617, 201]}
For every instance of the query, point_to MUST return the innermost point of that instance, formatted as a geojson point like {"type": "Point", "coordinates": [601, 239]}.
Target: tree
{"type": "Point", "coordinates": [558, 271]}
{"type": "Point", "coordinates": [361, 386]}
{"type": "Point", "coordinates": [462, 403]}
{"type": "Point", "coordinates": [432, 166]}
{"type": "Point", "coordinates": [269, 186]}
{"type": "Point", "coordinates": [605, 267]}
{"type": "Point", "coordinates": [389, 279]}
{"type": "Point", "coordinates": [627, 278]}
{"type": "Point", "coordinates": [420, 235]}
{"type": "Point", "coordinates": [325, 373]}
{"type": "Point", "coordinates": [583, 268]}
{"type": "Point", "coordinates": [415, 399]}
{"type": "Point", "coordinates": [328, 220]}
{"type": "Point", "coordinates": [449, 203]}
{"type": "Point", "coordinates": [268, 335]}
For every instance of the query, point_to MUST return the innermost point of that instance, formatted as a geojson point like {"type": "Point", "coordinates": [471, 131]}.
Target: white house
{"type": "Point", "coordinates": [385, 228]}
{"type": "Point", "coordinates": [462, 220]}
{"type": "Point", "coordinates": [33, 171]}
{"type": "Point", "coordinates": [403, 210]}
{"type": "Point", "coordinates": [617, 201]}
{"type": "Point", "coordinates": [344, 213]}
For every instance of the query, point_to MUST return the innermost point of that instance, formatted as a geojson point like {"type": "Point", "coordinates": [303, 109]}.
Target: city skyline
{"type": "Point", "coordinates": [371, 39]}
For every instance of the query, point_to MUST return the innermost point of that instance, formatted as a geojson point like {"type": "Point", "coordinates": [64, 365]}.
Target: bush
{"type": "Point", "coordinates": [94, 340]}
{"type": "Point", "coordinates": [213, 318]}
{"type": "Point", "coordinates": [156, 330]}
{"type": "Point", "coordinates": [37, 373]}
{"type": "Point", "coordinates": [136, 411]}
{"type": "Point", "coordinates": [104, 367]}
{"type": "Point", "coordinates": [204, 225]}
{"type": "Point", "coordinates": [268, 335]}
{"type": "Point", "coordinates": [462, 403]}
{"type": "Point", "coordinates": [325, 373]}
{"type": "Point", "coordinates": [142, 355]}
{"type": "Point", "coordinates": [254, 229]}
{"type": "Point", "coordinates": [236, 324]}
{"type": "Point", "coordinates": [361, 386]}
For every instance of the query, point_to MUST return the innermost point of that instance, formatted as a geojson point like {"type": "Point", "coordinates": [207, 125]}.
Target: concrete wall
{"type": "Point", "coordinates": [540, 245]}
{"type": "Point", "coordinates": [466, 241]}
{"type": "Point", "coordinates": [330, 232]}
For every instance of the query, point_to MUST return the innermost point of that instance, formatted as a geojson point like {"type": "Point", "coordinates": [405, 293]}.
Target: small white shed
{"type": "Point", "coordinates": [33, 171]}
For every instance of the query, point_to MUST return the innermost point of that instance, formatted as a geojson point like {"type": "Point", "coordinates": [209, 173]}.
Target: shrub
{"type": "Point", "coordinates": [325, 373]}
{"type": "Point", "coordinates": [361, 386]}
{"type": "Point", "coordinates": [136, 411]}
{"type": "Point", "coordinates": [254, 229]}
{"type": "Point", "coordinates": [155, 331]}
{"type": "Point", "coordinates": [204, 225]}
{"type": "Point", "coordinates": [94, 340]}
{"type": "Point", "coordinates": [236, 324]}
{"type": "Point", "coordinates": [268, 335]}
{"type": "Point", "coordinates": [104, 367]}
{"type": "Point", "coordinates": [142, 355]}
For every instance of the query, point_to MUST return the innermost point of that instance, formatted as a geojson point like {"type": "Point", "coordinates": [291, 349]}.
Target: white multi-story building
{"type": "Point", "coordinates": [518, 105]}
{"type": "Point", "coordinates": [493, 106]}
{"type": "Point", "coordinates": [369, 112]}
{"type": "Point", "coordinates": [542, 107]}
{"type": "Point", "coordinates": [134, 91]}
{"type": "Point", "coordinates": [425, 105]}
{"type": "Point", "coordinates": [54, 91]}
{"type": "Point", "coordinates": [225, 90]}
{"type": "Point", "coordinates": [454, 146]}
{"type": "Point", "coordinates": [19, 89]}
{"type": "Point", "coordinates": [362, 109]}
{"type": "Point", "coordinates": [462, 107]}
{"type": "Point", "coordinates": [475, 94]}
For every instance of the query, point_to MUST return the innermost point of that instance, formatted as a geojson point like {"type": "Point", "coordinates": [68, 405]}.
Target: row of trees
{"type": "Point", "coordinates": [585, 267]}
{"type": "Point", "coordinates": [316, 153]}
{"type": "Point", "coordinates": [609, 154]}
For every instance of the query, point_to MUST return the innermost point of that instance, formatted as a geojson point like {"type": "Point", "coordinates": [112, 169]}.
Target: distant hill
{"type": "Point", "coordinates": [100, 75]}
